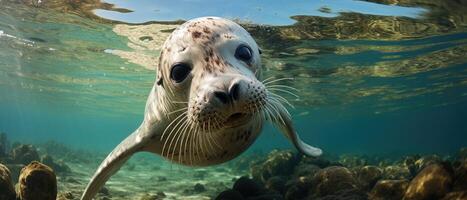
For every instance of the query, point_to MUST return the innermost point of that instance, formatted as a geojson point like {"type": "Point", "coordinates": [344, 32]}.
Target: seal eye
{"type": "Point", "coordinates": [243, 52]}
{"type": "Point", "coordinates": [179, 72]}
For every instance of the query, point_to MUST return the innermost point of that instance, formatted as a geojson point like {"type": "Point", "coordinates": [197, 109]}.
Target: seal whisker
{"type": "Point", "coordinates": [271, 116]}
{"type": "Point", "coordinates": [283, 86]}
{"type": "Point", "coordinates": [275, 80]}
{"type": "Point", "coordinates": [265, 80]}
{"type": "Point", "coordinates": [175, 137]}
{"type": "Point", "coordinates": [183, 102]}
{"type": "Point", "coordinates": [175, 111]}
{"type": "Point", "coordinates": [197, 144]}
{"type": "Point", "coordinates": [176, 121]}
{"type": "Point", "coordinates": [183, 136]}
{"type": "Point", "coordinates": [208, 137]}
{"type": "Point", "coordinates": [281, 98]}
{"type": "Point", "coordinates": [286, 91]}
{"type": "Point", "coordinates": [171, 123]}
{"type": "Point", "coordinates": [275, 109]}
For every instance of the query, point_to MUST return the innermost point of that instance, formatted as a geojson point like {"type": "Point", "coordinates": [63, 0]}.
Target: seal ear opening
{"type": "Point", "coordinates": [260, 51]}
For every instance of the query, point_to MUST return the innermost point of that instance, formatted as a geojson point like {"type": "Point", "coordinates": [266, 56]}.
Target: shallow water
{"type": "Point", "coordinates": [373, 78]}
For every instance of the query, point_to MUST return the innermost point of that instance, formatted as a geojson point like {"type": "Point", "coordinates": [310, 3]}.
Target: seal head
{"type": "Point", "coordinates": [213, 65]}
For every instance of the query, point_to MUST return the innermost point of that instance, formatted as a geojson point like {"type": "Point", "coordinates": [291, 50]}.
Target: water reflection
{"type": "Point", "coordinates": [353, 57]}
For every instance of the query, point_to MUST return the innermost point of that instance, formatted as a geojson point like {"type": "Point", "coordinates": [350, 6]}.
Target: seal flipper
{"type": "Point", "coordinates": [112, 164]}
{"type": "Point", "coordinates": [286, 126]}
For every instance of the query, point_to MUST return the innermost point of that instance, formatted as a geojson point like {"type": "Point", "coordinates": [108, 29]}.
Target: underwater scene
{"type": "Point", "coordinates": [233, 100]}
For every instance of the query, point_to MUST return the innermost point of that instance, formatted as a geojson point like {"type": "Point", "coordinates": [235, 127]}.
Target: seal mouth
{"type": "Point", "coordinates": [236, 119]}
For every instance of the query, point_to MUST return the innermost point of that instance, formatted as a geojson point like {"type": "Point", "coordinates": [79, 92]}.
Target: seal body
{"type": "Point", "coordinates": [207, 104]}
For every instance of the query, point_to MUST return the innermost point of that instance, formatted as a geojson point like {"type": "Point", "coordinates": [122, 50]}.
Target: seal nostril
{"type": "Point", "coordinates": [234, 91]}
{"type": "Point", "coordinates": [222, 96]}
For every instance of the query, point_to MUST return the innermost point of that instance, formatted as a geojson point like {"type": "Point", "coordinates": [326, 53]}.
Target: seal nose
{"type": "Point", "coordinates": [233, 94]}
{"type": "Point", "coordinates": [234, 91]}
{"type": "Point", "coordinates": [222, 96]}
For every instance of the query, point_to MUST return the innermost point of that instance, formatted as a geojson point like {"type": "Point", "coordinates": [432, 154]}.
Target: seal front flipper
{"type": "Point", "coordinates": [112, 163]}
{"type": "Point", "coordinates": [284, 122]}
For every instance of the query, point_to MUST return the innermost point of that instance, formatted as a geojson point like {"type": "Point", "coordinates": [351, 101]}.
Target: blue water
{"type": "Point", "coordinates": [397, 93]}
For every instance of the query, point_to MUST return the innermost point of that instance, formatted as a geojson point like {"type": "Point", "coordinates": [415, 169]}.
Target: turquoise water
{"type": "Point", "coordinates": [373, 78]}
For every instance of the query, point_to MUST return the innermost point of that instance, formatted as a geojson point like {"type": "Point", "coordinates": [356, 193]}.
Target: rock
{"type": "Point", "coordinates": [247, 187]}
{"type": "Point", "coordinates": [306, 170]}
{"type": "Point", "coordinates": [347, 194]}
{"type": "Point", "coordinates": [58, 167]}
{"type": "Point", "coordinates": [268, 196]}
{"type": "Point", "coordinates": [24, 154]}
{"type": "Point", "coordinates": [351, 161]}
{"type": "Point", "coordinates": [462, 155]}
{"type": "Point", "coordinates": [297, 188]}
{"type": "Point", "coordinates": [158, 196]}
{"type": "Point", "coordinates": [65, 196]}
{"type": "Point", "coordinates": [37, 182]}
{"type": "Point", "coordinates": [460, 181]}
{"type": "Point", "coordinates": [433, 182]}
{"type": "Point", "coordinates": [276, 183]}
{"type": "Point", "coordinates": [104, 191]}
{"type": "Point", "coordinates": [367, 176]}
{"type": "Point", "coordinates": [396, 172]}
{"type": "Point", "coordinates": [245, 162]}
{"type": "Point", "coordinates": [229, 195]}
{"type": "Point", "coordinates": [409, 163]}
{"type": "Point", "coordinates": [388, 189]}
{"type": "Point", "coordinates": [426, 160]}
{"type": "Point", "coordinates": [330, 180]}
{"type": "Point", "coordinates": [278, 163]}
{"type": "Point", "coordinates": [318, 161]}
{"type": "Point", "coordinates": [7, 191]}
{"type": "Point", "coordinates": [198, 188]}
{"type": "Point", "coordinates": [460, 195]}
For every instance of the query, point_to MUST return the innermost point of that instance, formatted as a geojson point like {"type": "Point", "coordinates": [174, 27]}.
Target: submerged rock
{"type": "Point", "coordinates": [462, 155]}
{"type": "Point", "coordinates": [37, 182]}
{"type": "Point", "coordinates": [460, 195]}
{"type": "Point", "coordinates": [247, 187]}
{"type": "Point", "coordinates": [367, 176]}
{"type": "Point", "coordinates": [24, 154]}
{"type": "Point", "coordinates": [278, 163]}
{"type": "Point", "coordinates": [59, 167]}
{"type": "Point", "coordinates": [7, 191]}
{"type": "Point", "coordinates": [433, 182]}
{"type": "Point", "coordinates": [308, 170]}
{"type": "Point", "coordinates": [158, 196]}
{"type": "Point", "coordinates": [66, 196]}
{"type": "Point", "coordinates": [426, 160]}
{"type": "Point", "coordinates": [230, 194]}
{"type": "Point", "coordinates": [276, 183]}
{"type": "Point", "coordinates": [351, 161]}
{"type": "Point", "coordinates": [347, 194]}
{"type": "Point", "coordinates": [396, 172]}
{"type": "Point", "coordinates": [388, 189]}
{"type": "Point", "coordinates": [330, 180]}
{"type": "Point", "coordinates": [298, 188]}
{"type": "Point", "coordinates": [460, 181]}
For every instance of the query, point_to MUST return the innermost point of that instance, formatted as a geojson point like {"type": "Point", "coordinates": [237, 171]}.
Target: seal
{"type": "Point", "coordinates": [207, 104]}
